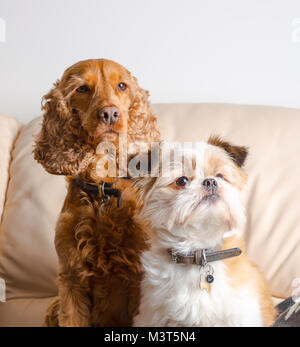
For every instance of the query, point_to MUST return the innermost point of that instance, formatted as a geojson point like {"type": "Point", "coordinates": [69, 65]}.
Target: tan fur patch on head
{"type": "Point", "coordinates": [237, 153]}
{"type": "Point", "coordinates": [218, 163]}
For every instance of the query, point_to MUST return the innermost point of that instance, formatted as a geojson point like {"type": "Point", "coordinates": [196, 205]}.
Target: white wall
{"type": "Point", "coordinates": [241, 51]}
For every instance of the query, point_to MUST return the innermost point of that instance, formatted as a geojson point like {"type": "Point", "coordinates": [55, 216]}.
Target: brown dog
{"type": "Point", "coordinates": [98, 245]}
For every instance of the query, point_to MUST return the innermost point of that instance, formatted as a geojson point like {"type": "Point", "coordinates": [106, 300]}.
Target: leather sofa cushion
{"type": "Point", "coordinates": [9, 128]}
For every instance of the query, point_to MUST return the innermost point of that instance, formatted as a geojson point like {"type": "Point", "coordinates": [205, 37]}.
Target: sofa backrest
{"type": "Point", "coordinates": [34, 198]}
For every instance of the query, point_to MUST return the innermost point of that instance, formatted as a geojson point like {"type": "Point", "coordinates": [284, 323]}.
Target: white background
{"type": "Point", "coordinates": [239, 51]}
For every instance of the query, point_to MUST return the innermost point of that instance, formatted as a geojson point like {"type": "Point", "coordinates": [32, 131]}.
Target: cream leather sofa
{"type": "Point", "coordinates": [30, 200]}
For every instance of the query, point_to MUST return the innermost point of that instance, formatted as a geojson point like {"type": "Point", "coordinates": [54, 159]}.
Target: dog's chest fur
{"type": "Point", "coordinates": [171, 296]}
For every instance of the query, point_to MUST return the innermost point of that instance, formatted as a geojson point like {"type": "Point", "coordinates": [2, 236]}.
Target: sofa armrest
{"type": "Point", "coordinates": [9, 129]}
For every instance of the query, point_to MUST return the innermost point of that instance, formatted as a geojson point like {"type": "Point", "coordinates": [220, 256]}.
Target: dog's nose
{"type": "Point", "coordinates": [210, 184]}
{"type": "Point", "coordinates": [109, 115]}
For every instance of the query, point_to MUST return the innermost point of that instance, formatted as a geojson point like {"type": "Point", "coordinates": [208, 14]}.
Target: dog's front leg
{"type": "Point", "coordinates": [75, 304]}
{"type": "Point", "coordinates": [74, 273]}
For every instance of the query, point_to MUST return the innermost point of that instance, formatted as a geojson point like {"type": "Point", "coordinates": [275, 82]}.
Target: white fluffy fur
{"type": "Point", "coordinates": [183, 221]}
{"type": "Point", "coordinates": [171, 296]}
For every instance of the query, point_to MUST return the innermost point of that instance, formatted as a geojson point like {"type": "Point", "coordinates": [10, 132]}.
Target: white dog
{"type": "Point", "coordinates": [196, 272]}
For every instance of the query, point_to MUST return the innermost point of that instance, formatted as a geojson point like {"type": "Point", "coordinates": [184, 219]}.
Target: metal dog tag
{"type": "Point", "coordinates": [206, 274]}
{"type": "Point", "coordinates": [204, 285]}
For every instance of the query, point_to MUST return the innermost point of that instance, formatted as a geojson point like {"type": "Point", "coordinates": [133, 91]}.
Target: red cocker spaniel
{"type": "Point", "coordinates": [98, 243]}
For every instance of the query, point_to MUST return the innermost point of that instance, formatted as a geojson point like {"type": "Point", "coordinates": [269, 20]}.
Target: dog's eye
{"type": "Point", "coordinates": [218, 175]}
{"type": "Point", "coordinates": [122, 86]}
{"type": "Point", "coordinates": [181, 181]}
{"type": "Point", "coordinates": [83, 89]}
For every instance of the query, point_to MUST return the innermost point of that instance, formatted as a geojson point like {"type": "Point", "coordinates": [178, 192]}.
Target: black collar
{"type": "Point", "coordinates": [102, 191]}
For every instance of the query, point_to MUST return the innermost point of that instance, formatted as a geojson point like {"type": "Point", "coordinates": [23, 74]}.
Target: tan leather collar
{"type": "Point", "coordinates": [203, 256]}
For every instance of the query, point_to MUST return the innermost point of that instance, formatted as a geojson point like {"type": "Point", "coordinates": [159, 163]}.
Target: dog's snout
{"type": "Point", "coordinates": [210, 184]}
{"type": "Point", "coordinates": [109, 115]}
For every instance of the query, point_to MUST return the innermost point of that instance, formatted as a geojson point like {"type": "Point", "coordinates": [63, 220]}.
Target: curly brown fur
{"type": "Point", "coordinates": [51, 319]}
{"type": "Point", "coordinates": [99, 249]}
{"type": "Point", "coordinates": [98, 245]}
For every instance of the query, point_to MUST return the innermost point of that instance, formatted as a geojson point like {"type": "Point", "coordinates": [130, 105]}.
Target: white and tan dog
{"type": "Point", "coordinates": [191, 211]}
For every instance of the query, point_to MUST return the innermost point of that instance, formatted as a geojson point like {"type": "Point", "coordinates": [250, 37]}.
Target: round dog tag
{"type": "Point", "coordinates": [209, 278]}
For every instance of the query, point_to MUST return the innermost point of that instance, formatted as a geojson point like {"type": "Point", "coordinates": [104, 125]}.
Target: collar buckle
{"type": "Point", "coordinates": [174, 257]}
{"type": "Point", "coordinates": [104, 191]}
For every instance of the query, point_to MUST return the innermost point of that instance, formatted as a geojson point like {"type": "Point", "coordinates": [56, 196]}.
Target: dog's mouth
{"type": "Point", "coordinates": [109, 135]}
{"type": "Point", "coordinates": [210, 198]}
{"type": "Point", "coordinates": [99, 135]}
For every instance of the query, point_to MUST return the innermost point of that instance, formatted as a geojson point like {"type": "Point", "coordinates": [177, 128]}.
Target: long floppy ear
{"type": "Point", "coordinates": [142, 120]}
{"type": "Point", "coordinates": [237, 153]}
{"type": "Point", "coordinates": [60, 146]}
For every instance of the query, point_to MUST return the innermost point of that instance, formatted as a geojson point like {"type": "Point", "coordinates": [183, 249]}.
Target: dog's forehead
{"type": "Point", "coordinates": [201, 152]}
{"type": "Point", "coordinates": [185, 159]}
{"type": "Point", "coordinates": [113, 74]}
{"type": "Point", "coordinates": [104, 71]}
{"type": "Point", "coordinates": [210, 158]}
{"type": "Point", "coordinates": [95, 71]}
{"type": "Point", "coordinates": [200, 158]}
{"type": "Point", "coordinates": [216, 159]}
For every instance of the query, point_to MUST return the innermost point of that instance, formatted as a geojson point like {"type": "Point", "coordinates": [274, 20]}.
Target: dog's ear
{"type": "Point", "coordinates": [237, 153]}
{"type": "Point", "coordinates": [142, 120]}
{"type": "Point", "coordinates": [60, 145]}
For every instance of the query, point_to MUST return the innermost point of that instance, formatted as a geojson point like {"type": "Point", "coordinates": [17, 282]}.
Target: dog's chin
{"type": "Point", "coordinates": [210, 199]}
{"type": "Point", "coordinates": [109, 135]}
{"type": "Point", "coordinates": [211, 212]}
